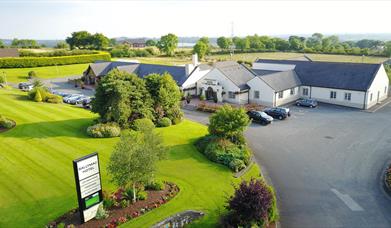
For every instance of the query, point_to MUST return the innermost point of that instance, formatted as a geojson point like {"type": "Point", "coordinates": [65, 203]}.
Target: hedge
{"type": "Point", "coordinates": [24, 62]}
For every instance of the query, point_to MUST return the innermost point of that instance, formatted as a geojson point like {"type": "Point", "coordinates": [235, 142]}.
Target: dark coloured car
{"type": "Point", "coordinates": [23, 84]}
{"type": "Point", "coordinates": [276, 113]}
{"type": "Point", "coordinates": [307, 103]}
{"type": "Point", "coordinates": [260, 117]}
{"type": "Point", "coordinates": [286, 110]}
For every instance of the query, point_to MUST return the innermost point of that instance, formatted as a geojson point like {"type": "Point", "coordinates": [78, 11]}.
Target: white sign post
{"type": "Point", "coordinates": [88, 185]}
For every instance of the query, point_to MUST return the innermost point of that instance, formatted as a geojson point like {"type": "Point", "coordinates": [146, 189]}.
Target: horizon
{"type": "Point", "coordinates": [115, 18]}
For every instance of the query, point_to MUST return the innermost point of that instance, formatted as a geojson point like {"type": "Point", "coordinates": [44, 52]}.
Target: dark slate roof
{"type": "Point", "coordinates": [337, 75]}
{"type": "Point", "coordinates": [280, 81]}
{"type": "Point", "coordinates": [236, 72]}
{"type": "Point", "coordinates": [264, 72]}
{"type": "Point", "coordinates": [177, 72]}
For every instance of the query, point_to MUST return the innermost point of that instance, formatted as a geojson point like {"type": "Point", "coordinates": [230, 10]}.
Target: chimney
{"type": "Point", "coordinates": [194, 63]}
{"type": "Point", "coordinates": [194, 59]}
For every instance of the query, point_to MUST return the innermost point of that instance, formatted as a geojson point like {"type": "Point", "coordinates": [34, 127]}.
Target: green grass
{"type": "Point", "coordinates": [36, 175]}
{"type": "Point", "coordinates": [20, 74]}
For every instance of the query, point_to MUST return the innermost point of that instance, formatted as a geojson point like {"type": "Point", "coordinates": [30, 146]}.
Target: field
{"type": "Point", "coordinates": [36, 175]}
{"type": "Point", "coordinates": [20, 74]}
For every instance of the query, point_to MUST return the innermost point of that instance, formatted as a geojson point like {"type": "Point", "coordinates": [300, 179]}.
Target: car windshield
{"type": "Point", "coordinates": [263, 114]}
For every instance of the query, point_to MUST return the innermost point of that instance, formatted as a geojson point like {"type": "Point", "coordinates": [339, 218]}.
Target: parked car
{"type": "Point", "coordinates": [76, 100]}
{"type": "Point", "coordinates": [284, 109]}
{"type": "Point", "coordinates": [68, 99]}
{"type": "Point", "coordinates": [87, 102]}
{"type": "Point", "coordinates": [260, 117]}
{"type": "Point", "coordinates": [307, 103]}
{"type": "Point", "coordinates": [23, 84]}
{"type": "Point", "coordinates": [276, 113]}
{"type": "Point", "coordinates": [27, 87]}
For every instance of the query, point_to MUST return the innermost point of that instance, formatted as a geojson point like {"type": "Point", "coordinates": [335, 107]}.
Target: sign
{"type": "Point", "coordinates": [88, 185]}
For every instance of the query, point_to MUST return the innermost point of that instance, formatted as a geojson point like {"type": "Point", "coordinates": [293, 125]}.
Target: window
{"type": "Point", "coordinates": [333, 94]}
{"type": "Point", "coordinates": [305, 91]}
{"type": "Point", "coordinates": [256, 94]}
{"type": "Point", "coordinates": [370, 97]}
{"type": "Point", "coordinates": [281, 94]}
{"type": "Point", "coordinates": [231, 95]}
{"type": "Point", "coordinates": [293, 91]}
{"type": "Point", "coordinates": [348, 96]}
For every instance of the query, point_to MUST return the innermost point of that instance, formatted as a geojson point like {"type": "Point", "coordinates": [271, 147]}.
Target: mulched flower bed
{"type": "Point", "coordinates": [119, 215]}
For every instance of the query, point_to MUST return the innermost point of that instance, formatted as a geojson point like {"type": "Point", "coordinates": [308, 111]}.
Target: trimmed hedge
{"type": "Point", "coordinates": [164, 122]}
{"type": "Point", "coordinates": [24, 62]}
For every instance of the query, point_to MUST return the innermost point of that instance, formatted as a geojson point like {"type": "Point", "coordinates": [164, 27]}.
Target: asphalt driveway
{"type": "Point", "coordinates": [325, 164]}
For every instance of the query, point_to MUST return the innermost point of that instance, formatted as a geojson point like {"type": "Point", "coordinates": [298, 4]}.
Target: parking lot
{"type": "Point", "coordinates": [325, 164]}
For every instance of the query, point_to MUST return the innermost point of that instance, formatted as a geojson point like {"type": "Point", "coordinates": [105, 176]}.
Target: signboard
{"type": "Point", "coordinates": [88, 185]}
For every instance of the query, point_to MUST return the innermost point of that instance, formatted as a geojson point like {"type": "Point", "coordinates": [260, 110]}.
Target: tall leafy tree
{"type": "Point", "coordinates": [166, 96]}
{"type": "Point", "coordinates": [99, 41]}
{"type": "Point", "coordinates": [201, 48]}
{"type": "Point", "coordinates": [81, 40]}
{"type": "Point", "coordinates": [224, 43]}
{"type": "Point", "coordinates": [150, 43]}
{"type": "Point", "coordinates": [228, 122]}
{"type": "Point", "coordinates": [241, 43]}
{"type": "Point", "coordinates": [168, 43]}
{"type": "Point", "coordinates": [61, 45]}
{"type": "Point", "coordinates": [2, 44]}
{"type": "Point", "coordinates": [122, 97]}
{"type": "Point", "coordinates": [133, 161]}
{"type": "Point", "coordinates": [296, 43]}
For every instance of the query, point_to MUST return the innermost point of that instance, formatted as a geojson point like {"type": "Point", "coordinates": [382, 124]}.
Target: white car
{"type": "Point", "coordinates": [68, 99]}
{"type": "Point", "coordinates": [27, 87]}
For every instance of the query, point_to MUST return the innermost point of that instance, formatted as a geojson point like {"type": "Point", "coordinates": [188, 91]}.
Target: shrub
{"type": "Point", "coordinates": [42, 90]}
{"type": "Point", "coordinates": [32, 74]}
{"type": "Point", "coordinates": [155, 185]}
{"type": "Point", "coordinates": [164, 122]}
{"type": "Point", "coordinates": [176, 114]}
{"type": "Point", "coordinates": [203, 142]}
{"type": "Point", "coordinates": [2, 79]}
{"type": "Point", "coordinates": [142, 195]}
{"type": "Point", "coordinates": [6, 123]}
{"type": "Point", "coordinates": [52, 98]}
{"type": "Point", "coordinates": [225, 152]}
{"type": "Point", "coordinates": [251, 205]}
{"type": "Point", "coordinates": [236, 165]}
{"type": "Point", "coordinates": [143, 124]}
{"type": "Point", "coordinates": [101, 213]}
{"type": "Point", "coordinates": [176, 121]}
{"type": "Point", "coordinates": [202, 97]}
{"type": "Point", "coordinates": [107, 130]}
{"type": "Point", "coordinates": [124, 203]}
{"type": "Point", "coordinates": [24, 62]}
{"type": "Point", "coordinates": [38, 97]}
{"type": "Point", "coordinates": [108, 203]}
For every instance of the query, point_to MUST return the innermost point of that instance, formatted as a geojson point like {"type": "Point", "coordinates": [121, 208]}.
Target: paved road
{"type": "Point", "coordinates": [325, 164]}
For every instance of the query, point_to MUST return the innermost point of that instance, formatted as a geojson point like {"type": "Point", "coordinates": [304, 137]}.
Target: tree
{"type": "Point", "coordinates": [166, 94]}
{"type": "Point", "coordinates": [201, 49]}
{"type": "Point", "coordinates": [61, 45]}
{"type": "Point", "coordinates": [281, 44]}
{"type": "Point", "coordinates": [315, 41]}
{"type": "Point", "coordinates": [252, 204]}
{"type": "Point", "coordinates": [255, 42]}
{"type": "Point", "coordinates": [228, 122]}
{"type": "Point", "coordinates": [133, 161]}
{"type": "Point", "coordinates": [24, 43]}
{"type": "Point", "coordinates": [387, 49]}
{"type": "Point", "coordinates": [241, 43]}
{"type": "Point", "coordinates": [168, 43]}
{"type": "Point", "coordinates": [81, 40]}
{"type": "Point", "coordinates": [150, 43]}
{"type": "Point", "coordinates": [296, 43]}
{"type": "Point", "coordinates": [122, 98]}
{"type": "Point", "coordinates": [2, 44]}
{"type": "Point", "coordinates": [99, 41]}
{"type": "Point", "coordinates": [224, 43]}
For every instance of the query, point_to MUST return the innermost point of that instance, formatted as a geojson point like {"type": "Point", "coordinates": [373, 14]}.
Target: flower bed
{"type": "Point", "coordinates": [119, 215]}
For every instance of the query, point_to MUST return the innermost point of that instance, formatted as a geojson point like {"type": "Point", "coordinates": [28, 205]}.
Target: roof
{"type": "Point", "coordinates": [178, 73]}
{"type": "Point", "coordinates": [9, 52]}
{"type": "Point", "coordinates": [337, 75]}
{"type": "Point", "coordinates": [236, 72]}
{"type": "Point", "coordinates": [280, 81]}
{"type": "Point", "coordinates": [135, 40]}
{"type": "Point", "coordinates": [264, 72]}
{"type": "Point", "coordinates": [301, 58]}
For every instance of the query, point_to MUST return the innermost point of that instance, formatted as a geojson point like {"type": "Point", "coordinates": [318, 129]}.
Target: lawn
{"type": "Point", "coordinates": [36, 175]}
{"type": "Point", "coordinates": [20, 74]}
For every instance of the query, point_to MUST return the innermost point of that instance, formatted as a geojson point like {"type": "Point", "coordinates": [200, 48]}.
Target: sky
{"type": "Point", "coordinates": [56, 19]}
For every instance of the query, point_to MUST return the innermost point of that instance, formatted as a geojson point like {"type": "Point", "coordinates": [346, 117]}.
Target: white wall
{"type": "Point", "coordinates": [323, 95]}
{"type": "Point", "coordinates": [287, 97]}
{"type": "Point", "coordinates": [266, 93]}
{"type": "Point", "coordinates": [226, 85]}
{"type": "Point", "coordinates": [273, 66]}
{"type": "Point", "coordinates": [378, 87]}
{"type": "Point", "coordinates": [243, 98]}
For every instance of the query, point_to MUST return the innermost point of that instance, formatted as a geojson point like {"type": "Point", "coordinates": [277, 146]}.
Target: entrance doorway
{"type": "Point", "coordinates": [210, 94]}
